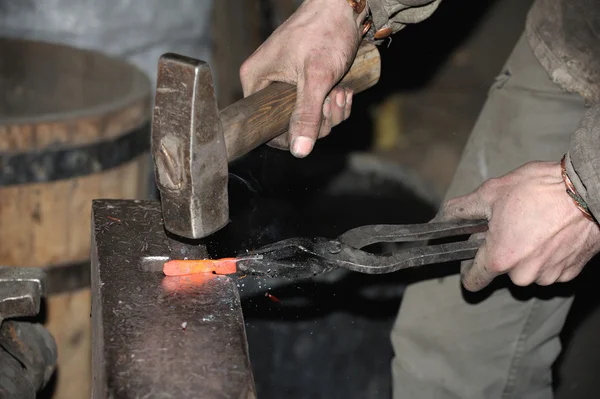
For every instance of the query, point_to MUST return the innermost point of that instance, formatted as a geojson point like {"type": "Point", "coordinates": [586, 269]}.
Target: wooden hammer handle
{"type": "Point", "coordinates": [265, 115]}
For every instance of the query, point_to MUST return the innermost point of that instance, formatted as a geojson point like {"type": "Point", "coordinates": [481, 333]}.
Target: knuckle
{"type": "Point", "coordinates": [568, 275]}
{"type": "Point", "coordinates": [522, 279]}
{"type": "Point", "coordinates": [247, 76]}
{"type": "Point", "coordinates": [488, 192]}
{"type": "Point", "coordinates": [245, 69]}
{"type": "Point", "coordinates": [498, 265]}
{"type": "Point", "coordinates": [546, 280]}
{"type": "Point", "coordinates": [490, 185]}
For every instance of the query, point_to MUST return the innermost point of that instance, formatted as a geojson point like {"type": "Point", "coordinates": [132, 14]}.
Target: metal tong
{"type": "Point", "coordinates": [305, 257]}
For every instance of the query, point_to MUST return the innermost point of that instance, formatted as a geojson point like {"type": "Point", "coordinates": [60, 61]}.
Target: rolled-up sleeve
{"type": "Point", "coordinates": [396, 14]}
{"type": "Point", "coordinates": [584, 157]}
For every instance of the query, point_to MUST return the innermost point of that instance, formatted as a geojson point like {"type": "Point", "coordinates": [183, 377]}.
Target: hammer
{"type": "Point", "coordinates": [192, 142]}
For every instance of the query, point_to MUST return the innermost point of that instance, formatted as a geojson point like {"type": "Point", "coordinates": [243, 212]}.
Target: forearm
{"type": "Point", "coordinates": [390, 16]}
{"type": "Point", "coordinates": [583, 160]}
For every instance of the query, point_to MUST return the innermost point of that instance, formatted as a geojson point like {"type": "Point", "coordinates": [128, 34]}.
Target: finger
{"type": "Point", "coordinates": [478, 274]}
{"type": "Point", "coordinates": [349, 95]}
{"type": "Point", "coordinates": [466, 265]}
{"type": "Point", "coordinates": [523, 274]}
{"type": "Point", "coordinates": [281, 142]}
{"type": "Point", "coordinates": [568, 275]}
{"type": "Point", "coordinates": [572, 271]}
{"type": "Point", "coordinates": [338, 105]}
{"type": "Point", "coordinates": [306, 119]}
{"type": "Point", "coordinates": [325, 128]}
{"type": "Point", "coordinates": [548, 277]}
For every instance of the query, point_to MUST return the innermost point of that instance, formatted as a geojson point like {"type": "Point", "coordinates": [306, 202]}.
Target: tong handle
{"type": "Point", "coordinates": [360, 237]}
{"type": "Point", "coordinates": [320, 255]}
{"type": "Point", "coordinates": [364, 262]}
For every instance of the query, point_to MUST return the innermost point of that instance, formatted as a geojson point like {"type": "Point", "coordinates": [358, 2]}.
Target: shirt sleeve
{"type": "Point", "coordinates": [396, 14]}
{"type": "Point", "coordinates": [584, 157]}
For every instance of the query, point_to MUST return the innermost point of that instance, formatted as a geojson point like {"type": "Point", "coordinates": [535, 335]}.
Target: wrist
{"type": "Point", "coordinates": [577, 199]}
{"type": "Point", "coordinates": [361, 15]}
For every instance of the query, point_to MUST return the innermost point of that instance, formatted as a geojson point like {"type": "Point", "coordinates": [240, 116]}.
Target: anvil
{"type": "Point", "coordinates": [156, 336]}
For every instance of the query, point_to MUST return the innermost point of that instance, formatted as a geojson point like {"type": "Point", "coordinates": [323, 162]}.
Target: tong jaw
{"type": "Point", "coordinates": [293, 258]}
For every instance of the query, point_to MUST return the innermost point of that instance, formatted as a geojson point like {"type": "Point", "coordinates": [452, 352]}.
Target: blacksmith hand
{"type": "Point", "coordinates": [536, 233]}
{"type": "Point", "coordinates": [313, 49]}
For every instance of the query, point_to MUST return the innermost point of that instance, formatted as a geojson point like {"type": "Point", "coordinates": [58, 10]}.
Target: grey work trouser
{"type": "Point", "coordinates": [447, 347]}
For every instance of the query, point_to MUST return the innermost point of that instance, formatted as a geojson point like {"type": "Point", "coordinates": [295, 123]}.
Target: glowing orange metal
{"type": "Point", "coordinates": [214, 266]}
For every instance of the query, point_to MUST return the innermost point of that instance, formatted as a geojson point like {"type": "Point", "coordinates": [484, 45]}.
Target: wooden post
{"type": "Point", "coordinates": [236, 33]}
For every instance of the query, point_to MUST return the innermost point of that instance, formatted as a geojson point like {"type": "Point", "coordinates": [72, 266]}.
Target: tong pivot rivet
{"type": "Point", "coordinates": [335, 248]}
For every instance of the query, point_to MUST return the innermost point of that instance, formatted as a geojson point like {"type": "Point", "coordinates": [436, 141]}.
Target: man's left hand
{"type": "Point", "coordinates": [536, 233]}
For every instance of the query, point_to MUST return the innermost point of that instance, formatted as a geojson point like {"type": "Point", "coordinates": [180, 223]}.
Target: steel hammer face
{"type": "Point", "coordinates": [190, 156]}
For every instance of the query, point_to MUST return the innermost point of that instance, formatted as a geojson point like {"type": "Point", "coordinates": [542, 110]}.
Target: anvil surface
{"type": "Point", "coordinates": [156, 336]}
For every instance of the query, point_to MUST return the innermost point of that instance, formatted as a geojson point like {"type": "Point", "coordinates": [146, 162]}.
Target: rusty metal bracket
{"type": "Point", "coordinates": [28, 352]}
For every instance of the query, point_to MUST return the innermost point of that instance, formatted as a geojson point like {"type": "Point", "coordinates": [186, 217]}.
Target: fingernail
{"type": "Point", "coordinates": [349, 98]}
{"type": "Point", "coordinates": [302, 146]}
{"type": "Point", "coordinates": [327, 108]}
{"type": "Point", "coordinates": [340, 99]}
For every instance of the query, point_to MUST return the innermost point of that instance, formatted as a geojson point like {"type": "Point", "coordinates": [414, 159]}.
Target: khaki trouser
{"type": "Point", "coordinates": [450, 344]}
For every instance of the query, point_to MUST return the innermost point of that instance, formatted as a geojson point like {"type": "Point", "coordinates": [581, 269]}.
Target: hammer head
{"type": "Point", "coordinates": [190, 158]}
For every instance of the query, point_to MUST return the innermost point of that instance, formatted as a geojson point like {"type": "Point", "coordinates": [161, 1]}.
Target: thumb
{"type": "Point", "coordinates": [306, 119]}
{"type": "Point", "coordinates": [468, 207]}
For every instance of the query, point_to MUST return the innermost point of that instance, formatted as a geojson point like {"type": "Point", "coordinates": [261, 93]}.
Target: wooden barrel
{"type": "Point", "coordinates": [74, 126]}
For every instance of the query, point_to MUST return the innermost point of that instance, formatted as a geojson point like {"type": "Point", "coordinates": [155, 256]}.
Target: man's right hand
{"type": "Point", "coordinates": [313, 50]}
